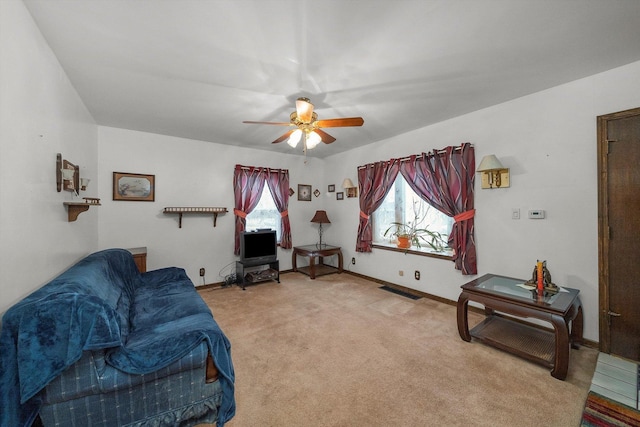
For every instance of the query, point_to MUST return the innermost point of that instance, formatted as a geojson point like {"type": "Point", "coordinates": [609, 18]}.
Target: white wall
{"type": "Point", "coordinates": [40, 115]}
{"type": "Point", "coordinates": [548, 140]}
{"type": "Point", "coordinates": [190, 173]}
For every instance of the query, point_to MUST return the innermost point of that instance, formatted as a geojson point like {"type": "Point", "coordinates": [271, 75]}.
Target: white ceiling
{"type": "Point", "coordinates": [198, 68]}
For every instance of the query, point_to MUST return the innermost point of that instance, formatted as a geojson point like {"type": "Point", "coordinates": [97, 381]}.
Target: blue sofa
{"type": "Point", "coordinates": [105, 345]}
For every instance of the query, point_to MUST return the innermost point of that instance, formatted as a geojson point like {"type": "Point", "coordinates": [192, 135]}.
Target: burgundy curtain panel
{"type": "Point", "coordinates": [445, 179]}
{"type": "Point", "coordinates": [248, 183]}
{"type": "Point", "coordinates": [374, 182]}
{"type": "Point", "coordinates": [278, 182]}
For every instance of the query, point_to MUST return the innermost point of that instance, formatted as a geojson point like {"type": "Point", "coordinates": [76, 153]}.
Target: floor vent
{"type": "Point", "coordinates": [399, 292]}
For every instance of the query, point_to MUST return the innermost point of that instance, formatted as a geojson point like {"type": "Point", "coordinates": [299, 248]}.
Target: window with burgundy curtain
{"type": "Point", "coordinates": [444, 179]}
{"type": "Point", "coordinates": [248, 183]}
{"type": "Point", "coordinates": [374, 182]}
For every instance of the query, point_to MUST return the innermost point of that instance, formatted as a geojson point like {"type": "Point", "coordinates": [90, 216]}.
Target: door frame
{"type": "Point", "coordinates": [603, 224]}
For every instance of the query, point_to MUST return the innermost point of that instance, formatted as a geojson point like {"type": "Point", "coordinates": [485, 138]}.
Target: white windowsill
{"type": "Point", "coordinates": [422, 251]}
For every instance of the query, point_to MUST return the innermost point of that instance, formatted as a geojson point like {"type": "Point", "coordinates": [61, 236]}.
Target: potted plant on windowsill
{"type": "Point", "coordinates": [415, 233]}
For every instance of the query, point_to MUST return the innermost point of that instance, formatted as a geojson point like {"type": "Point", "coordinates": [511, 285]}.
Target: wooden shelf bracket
{"type": "Point", "coordinates": [76, 208]}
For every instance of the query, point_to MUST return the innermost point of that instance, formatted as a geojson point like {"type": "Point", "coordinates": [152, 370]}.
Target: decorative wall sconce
{"type": "Point", "coordinates": [492, 173]}
{"type": "Point", "coordinates": [84, 182]}
{"type": "Point", "coordinates": [351, 190]}
{"type": "Point", "coordinates": [67, 175]}
{"type": "Point", "coordinates": [68, 179]}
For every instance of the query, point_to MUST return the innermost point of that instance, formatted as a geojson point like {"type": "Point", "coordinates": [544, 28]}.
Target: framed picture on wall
{"type": "Point", "coordinates": [134, 187]}
{"type": "Point", "coordinates": [331, 188]}
{"type": "Point", "coordinates": [340, 195]}
{"type": "Point", "coordinates": [304, 192]}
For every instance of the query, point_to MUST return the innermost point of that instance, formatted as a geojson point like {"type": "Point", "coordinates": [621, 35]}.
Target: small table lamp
{"type": "Point", "coordinates": [320, 217]}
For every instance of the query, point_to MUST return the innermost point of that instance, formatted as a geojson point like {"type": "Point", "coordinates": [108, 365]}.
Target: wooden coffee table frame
{"type": "Point", "coordinates": [534, 343]}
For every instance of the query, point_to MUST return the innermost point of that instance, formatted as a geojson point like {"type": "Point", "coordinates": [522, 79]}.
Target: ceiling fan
{"type": "Point", "coordinates": [306, 122]}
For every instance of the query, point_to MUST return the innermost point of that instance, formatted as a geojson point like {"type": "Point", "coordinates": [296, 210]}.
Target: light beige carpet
{"type": "Point", "coordinates": [339, 351]}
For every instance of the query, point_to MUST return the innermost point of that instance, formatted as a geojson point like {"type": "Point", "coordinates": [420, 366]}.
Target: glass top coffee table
{"type": "Point", "coordinates": [506, 295]}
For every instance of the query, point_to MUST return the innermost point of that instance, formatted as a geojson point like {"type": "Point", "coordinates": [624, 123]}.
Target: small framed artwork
{"type": "Point", "coordinates": [291, 192]}
{"type": "Point", "coordinates": [332, 188]}
{"type": "Point", "coordinates": [304, 192]}
{"type": "Point", "coordinates": [316, 192]}
{"type": "Point", "coordinates": [340, 195]}
{"type": "Point", "coordinates": [134, 187]}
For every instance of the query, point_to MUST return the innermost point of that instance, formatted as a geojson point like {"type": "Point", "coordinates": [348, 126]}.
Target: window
{"type": "Point", "coordinates": [265, 215]}
{"type": "Point", "coordinates": [402, 204]}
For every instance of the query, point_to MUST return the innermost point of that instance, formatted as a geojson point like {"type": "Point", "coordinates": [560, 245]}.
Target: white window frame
{"type": "Point", "coordinates": [265, 214]}
{"type": "Point", "coordinates": [399, 193]}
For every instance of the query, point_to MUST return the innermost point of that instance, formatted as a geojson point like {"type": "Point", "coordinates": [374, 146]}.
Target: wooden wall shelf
{"type": "Point", "coordinates": [76, 208]}
{"type": "Point", "coordinates": [201, 210]}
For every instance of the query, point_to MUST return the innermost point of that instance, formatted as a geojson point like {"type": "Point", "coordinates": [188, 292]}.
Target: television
{"type": "Point", "coordinates": [258, 247]}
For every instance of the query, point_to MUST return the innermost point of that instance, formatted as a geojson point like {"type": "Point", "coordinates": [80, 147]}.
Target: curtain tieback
{"type": "Point", "coordinates": [465, 215]}
{"type": "Point", "coordinates": [238, 212]}
{"type": "Point", "coordinates": [284, 213]}
{"type": "Point", "coordinates": [364, 215]}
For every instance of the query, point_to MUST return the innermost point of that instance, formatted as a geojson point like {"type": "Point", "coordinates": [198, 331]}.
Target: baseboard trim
{"type": "Point", "coordinates": [406, 290]}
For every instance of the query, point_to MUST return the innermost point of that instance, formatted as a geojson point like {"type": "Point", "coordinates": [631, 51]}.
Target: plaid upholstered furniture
{"type": "Point", "coordinates": [104, 345]}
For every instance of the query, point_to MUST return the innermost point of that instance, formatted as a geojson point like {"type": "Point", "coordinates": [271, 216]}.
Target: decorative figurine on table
{"type": "Point", "coordinates": [541, 279]}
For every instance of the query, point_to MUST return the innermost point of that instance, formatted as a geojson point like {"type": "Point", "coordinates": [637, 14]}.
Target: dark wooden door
{"type": "Point", "coordinates": [619, 229]}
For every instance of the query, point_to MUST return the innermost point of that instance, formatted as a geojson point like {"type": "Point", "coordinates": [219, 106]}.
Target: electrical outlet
{"type": "Point", "coordinates": [353, 261]}
{"type": "Point", "coordinates": [202, 272]}
{"type": "Point", "coordinates": [416, 274]}
{"type": "Point", "coordinates": [515, 213]}
{"type": "Point", "coordinates": [401, 273]}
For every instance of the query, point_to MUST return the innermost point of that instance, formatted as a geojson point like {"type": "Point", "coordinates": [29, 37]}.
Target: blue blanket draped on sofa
{"type": "Point", "coordinates": [146, 321]}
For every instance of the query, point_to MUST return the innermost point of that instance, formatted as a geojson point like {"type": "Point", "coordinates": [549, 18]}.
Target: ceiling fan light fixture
{"type": "Point", "coordinates": [294, 138]}
{"type": "Point", "coordinates": [306, 122]}
{"type": "Point", "coordinates": [313, 139]}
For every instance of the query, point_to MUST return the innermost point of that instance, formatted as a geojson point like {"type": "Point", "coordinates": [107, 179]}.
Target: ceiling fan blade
{"type": "Point", "coordinates": [304, 109]}
{"type": "Point", "coordinates": [268, 123]}
{"type": "Point", "coordinates": [337, 123]}
{"type": "Point", "coordinates": [283, 137]}
{"type": "Point", "coordinates": [326, 138]}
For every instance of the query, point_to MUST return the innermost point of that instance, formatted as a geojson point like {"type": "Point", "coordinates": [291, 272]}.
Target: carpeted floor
{"type": "Point", "coordinates": [339, 351]}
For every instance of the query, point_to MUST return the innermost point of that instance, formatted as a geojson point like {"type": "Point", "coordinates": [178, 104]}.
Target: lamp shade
{"type": "Point", "coordinates": [294, 138]}
{"type": "Point", "coordinates": [347, 183]}
{"type": "Point", "coordinates": [321, 217]}
{"type": "Point", "coordinates": [312, 140]}
{"type": "Point", "coordinates": [489, 163]}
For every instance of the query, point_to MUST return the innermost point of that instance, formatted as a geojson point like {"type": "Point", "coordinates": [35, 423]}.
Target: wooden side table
{"type": "Point", "coordinates": [140, 258]}
{"type": "Point", "coordinates": [505, 295]}
{"type": "Point", "coordinates": [315, 251]}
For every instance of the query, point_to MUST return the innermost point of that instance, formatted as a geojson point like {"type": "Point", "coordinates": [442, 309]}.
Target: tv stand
{"type": "Point", "coordinates": [272, 273]}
